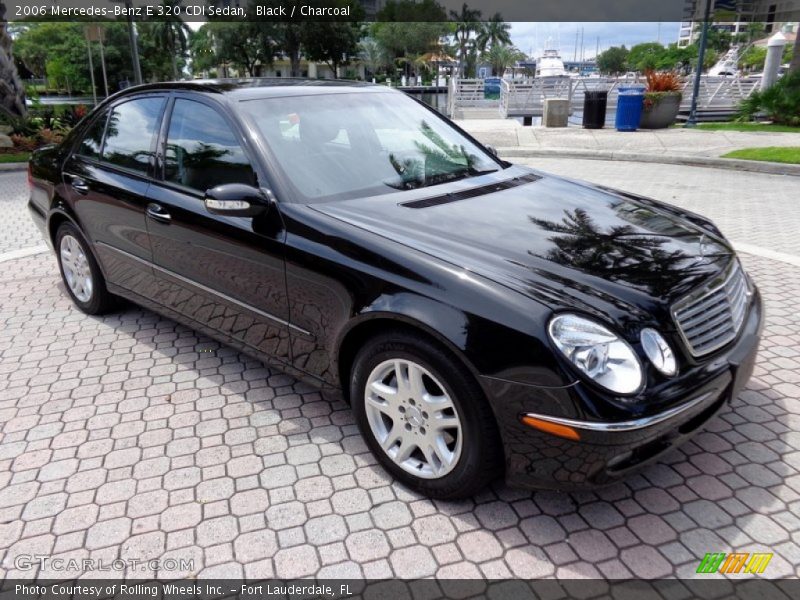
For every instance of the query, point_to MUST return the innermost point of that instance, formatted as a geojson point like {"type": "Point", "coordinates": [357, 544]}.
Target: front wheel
{"type": "Point", "coordinates": [423, 416]}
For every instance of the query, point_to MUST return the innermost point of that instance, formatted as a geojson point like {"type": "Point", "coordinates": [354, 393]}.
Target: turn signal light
{"type": "Point", "coordinates": [563, 431]}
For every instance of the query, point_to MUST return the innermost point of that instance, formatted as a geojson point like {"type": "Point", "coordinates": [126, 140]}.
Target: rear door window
{"type": "Point", "coordinates": [93, 138]}
{"type": "Point", "coordinates": [129, 133]}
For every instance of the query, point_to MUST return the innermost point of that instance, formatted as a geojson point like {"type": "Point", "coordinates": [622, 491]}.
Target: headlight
{"type": "Point", "coordinates": [658, 351]}
{"type": "Point", "coordinates": [597, 352]}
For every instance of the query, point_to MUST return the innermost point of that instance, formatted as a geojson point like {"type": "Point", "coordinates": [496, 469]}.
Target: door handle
{"type": "Point", "coordinates": [158, 213]}
{"type": "Point", "coordinates": [79, 185]}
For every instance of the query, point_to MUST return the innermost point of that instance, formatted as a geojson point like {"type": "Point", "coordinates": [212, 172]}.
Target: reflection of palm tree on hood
{"type": "Point", "coordinates": [613, 253]}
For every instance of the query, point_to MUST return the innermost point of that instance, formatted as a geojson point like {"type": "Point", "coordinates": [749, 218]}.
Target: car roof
{"type": "Point", "coordinates": [261, 87]}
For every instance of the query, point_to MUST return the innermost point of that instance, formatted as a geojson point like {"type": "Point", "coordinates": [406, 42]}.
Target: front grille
{"type": "Point", "coordinates": [711, 317]}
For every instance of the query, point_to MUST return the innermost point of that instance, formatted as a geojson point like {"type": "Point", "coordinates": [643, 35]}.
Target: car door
{"type": "Point", "coordinates": [222, 272]}
{"type": "Point", "coordinates": [106, 178]}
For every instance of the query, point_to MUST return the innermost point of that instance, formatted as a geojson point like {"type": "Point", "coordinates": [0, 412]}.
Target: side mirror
{"type": "Point", "coordinates": [491, 150]}
{"type": "Point", "coordinates": [236, 200]}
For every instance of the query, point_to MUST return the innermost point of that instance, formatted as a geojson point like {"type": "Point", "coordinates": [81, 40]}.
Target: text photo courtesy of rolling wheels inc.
{"type": "Point", "coordinates": [427, 300]}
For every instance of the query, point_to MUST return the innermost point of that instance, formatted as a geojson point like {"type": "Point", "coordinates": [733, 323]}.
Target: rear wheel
{"type": "Point", "coordinates": [423, 416]}
{"type": "Point", "coordinates": [80, 272]}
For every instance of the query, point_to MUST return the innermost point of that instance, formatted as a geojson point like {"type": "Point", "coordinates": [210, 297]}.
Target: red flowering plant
{"type": "Point", "coordinates": [659, 85]}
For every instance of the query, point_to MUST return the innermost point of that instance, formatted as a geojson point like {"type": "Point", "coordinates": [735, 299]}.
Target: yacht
{"type": "Point", "coordinates": [728, 65]}
{"type": "Point", "coordinates": [550, 65]}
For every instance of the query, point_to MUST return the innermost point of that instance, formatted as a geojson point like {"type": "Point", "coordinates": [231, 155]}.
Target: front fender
{"type": "Point", "coordinates": [492, 352]}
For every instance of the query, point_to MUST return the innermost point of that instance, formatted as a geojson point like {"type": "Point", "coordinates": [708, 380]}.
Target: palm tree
{"type": "Point", "coordinates": [173, 33]}
{"type": "Point", "coordinates": [501, 57]}
{"type": "Point", "coordinates": [373, 55]}
{"type": "Point", "coordinates": [12, 94]}
{"type": "Point", "coordinates": [493, 33]}
{"type": "Point", "coordinates": [466, 23]}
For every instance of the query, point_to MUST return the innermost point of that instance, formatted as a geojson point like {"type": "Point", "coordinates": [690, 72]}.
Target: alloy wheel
{"type": "Point", "coordinates": [413, 418]}
{"type": "Point", "coordinates": [77, 271]}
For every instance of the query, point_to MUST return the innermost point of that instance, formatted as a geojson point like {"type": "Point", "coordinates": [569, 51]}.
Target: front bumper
{"type": "Point", "coordinates": [609, 451]}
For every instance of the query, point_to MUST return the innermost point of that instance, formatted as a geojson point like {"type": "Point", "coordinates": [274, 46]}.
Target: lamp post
{"type": "Point", "coordinates": [701, 53]}
{"type": "Point", "coordinates": [137, 69]}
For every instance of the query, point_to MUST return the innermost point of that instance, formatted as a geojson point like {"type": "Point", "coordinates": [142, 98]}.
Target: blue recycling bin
{"type": "Point", "coordinates": [629, 108]}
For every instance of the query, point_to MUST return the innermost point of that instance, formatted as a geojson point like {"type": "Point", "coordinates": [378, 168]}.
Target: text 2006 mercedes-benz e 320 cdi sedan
{"type": "Point", "coordinates": [480, 317]}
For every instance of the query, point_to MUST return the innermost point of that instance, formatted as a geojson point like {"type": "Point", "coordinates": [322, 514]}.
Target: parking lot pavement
{"type": "Point", "coordinates": [16, 228]}
{"type": "Point", "coordinates": [129, 436]}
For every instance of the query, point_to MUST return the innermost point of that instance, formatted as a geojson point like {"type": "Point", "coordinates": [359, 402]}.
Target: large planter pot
{"type": "Point", "coordinates": [660, 110]}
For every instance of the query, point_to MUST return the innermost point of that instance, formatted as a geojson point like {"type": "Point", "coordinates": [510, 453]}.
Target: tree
{"type": "Point", "coordinates": [753, 59]}
{"type": "Point", "coordinates": [243, 45]}
{"type": "Point", "coordinates": [502, 57]}
{"type": "Point", "coordinates": [718, 40]}
{"type": "Point", "coordinates": [407, 29]}
{"type": "Point", "coordinates": [58, 51]}
{"type": "Point", "coordinates": [467, 22]}
{"type": "Point", "coordinates": [202, 51]}
{"type": "Point", "coordinates": [674, 57]}
{"type": "Point", "coordinates": [645, 57]}
{"type": "Point", "coordinates": [172, 33]}
{"type": "Point", "coordinates": [289, 36]}
{"type": "Point", "coordinates": [794, 66]}
{"type": "Point", "coordinates": [493, 33]}
{"type": "Point", "coordinates": [614, 60]}
{"type": "Point", "coordinates": [12, 93]}
{"type": "Point", "coordinates": [333, 42]}
{"type": "Point", "coordinates": [373, 55]}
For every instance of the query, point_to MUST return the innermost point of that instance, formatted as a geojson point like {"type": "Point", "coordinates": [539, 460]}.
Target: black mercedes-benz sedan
{"type": "Point", "coordinates": [481, 318]}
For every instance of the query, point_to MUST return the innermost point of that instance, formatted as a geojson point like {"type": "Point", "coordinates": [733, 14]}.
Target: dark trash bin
{"type": "Point", "coordinates": [594, 109]}
{"type": "Point", "coordinates": [629, 108]}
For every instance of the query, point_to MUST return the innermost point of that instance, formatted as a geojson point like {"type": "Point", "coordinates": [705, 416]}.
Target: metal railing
{"type": "Point", "coordinates": [525, 97]}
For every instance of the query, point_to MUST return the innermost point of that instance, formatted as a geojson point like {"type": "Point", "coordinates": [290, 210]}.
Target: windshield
{"type": "Point", "coordinates": [338, 146]}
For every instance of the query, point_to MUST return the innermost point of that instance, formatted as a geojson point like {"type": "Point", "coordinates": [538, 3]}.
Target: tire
{"type": "Point", "coordinates": [93, 301]}
{"type": "Point", "coordinates": [450, 467]}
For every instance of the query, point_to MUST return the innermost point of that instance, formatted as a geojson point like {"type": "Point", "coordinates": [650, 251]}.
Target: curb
{"type": "Point", "coordinates": [21, 166]}
{"type": "Point", "coordinates": [735, 164]}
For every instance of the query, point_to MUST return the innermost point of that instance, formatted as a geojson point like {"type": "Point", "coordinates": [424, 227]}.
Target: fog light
{"type": "Point", "coordinates": [658, 351]}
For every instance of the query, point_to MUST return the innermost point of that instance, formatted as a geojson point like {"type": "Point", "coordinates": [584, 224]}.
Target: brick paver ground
{"type": "Point", "coordinates": [131, 436]}
{"type": "Point", "coordinates": [16, 228]}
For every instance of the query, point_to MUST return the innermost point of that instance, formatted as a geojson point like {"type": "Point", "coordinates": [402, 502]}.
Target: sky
{"type": "Point", "coordinates": [531, 38]}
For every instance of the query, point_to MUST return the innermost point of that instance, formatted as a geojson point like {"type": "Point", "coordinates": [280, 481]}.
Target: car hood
{"type": "Point", "coordinates": [558, 241]}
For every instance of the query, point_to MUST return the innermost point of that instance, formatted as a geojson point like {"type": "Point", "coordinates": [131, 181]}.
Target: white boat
{"type": "Point", "coordinates": [728, 65]}
{"type": "Point", "coordinates": [550, 65]}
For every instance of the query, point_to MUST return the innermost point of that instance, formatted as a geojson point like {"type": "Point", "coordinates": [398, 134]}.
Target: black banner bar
{"type": "Point", "coordinates": [403, 10]}
{"type": "Point", "coordinates": [742, 587]}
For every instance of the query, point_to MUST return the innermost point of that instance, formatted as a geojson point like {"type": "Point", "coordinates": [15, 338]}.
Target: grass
{"type": "Point", "coordinates": [15, 157]}
{"type": "Point", "coordinates": [749, 127]}
{"type": "Point", "coordinates": [780, 154]}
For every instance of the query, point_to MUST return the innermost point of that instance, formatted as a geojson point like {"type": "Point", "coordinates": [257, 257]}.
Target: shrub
{"type": "Point", "coordinates": [24, 143]}
{"type": "Point", "coordinates": [780, 103]}
{"type": "Point", "coordinates": [73, 114]}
